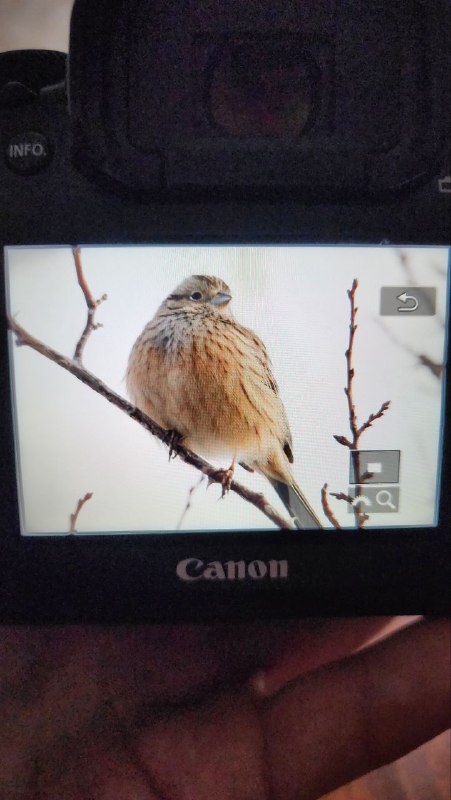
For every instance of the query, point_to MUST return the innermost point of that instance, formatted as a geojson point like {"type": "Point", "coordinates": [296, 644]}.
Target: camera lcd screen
{"type": "Point", "coordinates": [351, 341]}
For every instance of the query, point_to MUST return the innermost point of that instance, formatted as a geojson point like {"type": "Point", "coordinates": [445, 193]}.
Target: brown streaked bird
{"type": "Point", "coordinates": [207, 379]}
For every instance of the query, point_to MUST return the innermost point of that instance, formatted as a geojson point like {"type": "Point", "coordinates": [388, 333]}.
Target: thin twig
{"type": "Point", "coordinates": [405, 266]}
{"type": "Point", "coordinates": [352, 501]}
{"type": "Point", "coordinates": [343, 496]}
{"type": "Point", "coordinates": [74, 516]}
{"type": "Point", "coordinates": [91, 304]}
{"type": "Point", "coordinates": [188, 501]}
{"type": "Point", "coordinates": [353, 442]}
{"type": "Point", "coordinates": [355, 429]}
{"type": "Point", "coordinates": [350, 368]}
{"type": "Point", "coordinates": [436, 369]}
{"type": "Point", "coordinates": [327, 509]}
{"type": "Point", "coordinates": [349, 396]}
{"type": "Point", "coordinates": [384, 407]}
{"type": "Point", "coordinates": [344, 441]}
{"type": "Point", "coordinates": [75, 368]}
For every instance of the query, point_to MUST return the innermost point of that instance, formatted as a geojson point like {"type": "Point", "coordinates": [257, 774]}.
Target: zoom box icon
{"type": "Point", "coordinates": [375, 499]}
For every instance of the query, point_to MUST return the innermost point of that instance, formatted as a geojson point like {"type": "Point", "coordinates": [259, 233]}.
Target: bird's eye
{"type": "Point", "coordinates": [196, 296]}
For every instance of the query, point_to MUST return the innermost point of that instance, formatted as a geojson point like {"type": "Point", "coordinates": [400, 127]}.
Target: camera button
{"type": "Point", "coordinates": [28, 153]}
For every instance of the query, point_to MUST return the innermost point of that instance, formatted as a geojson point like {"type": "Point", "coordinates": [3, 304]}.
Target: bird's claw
{"type": "Point", "coordinates": [222, 476]}
{"type": "Point", "coordinates": [227, 481]}
{"type": "Point", "coordinates": [172, 438]}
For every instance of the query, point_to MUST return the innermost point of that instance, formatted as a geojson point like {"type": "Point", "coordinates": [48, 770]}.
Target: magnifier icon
{"type": "Point", "coordinates": [384, 498]}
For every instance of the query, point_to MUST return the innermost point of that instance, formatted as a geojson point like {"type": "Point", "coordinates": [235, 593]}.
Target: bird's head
{"type": "Point", "coordinates": [201, 291]}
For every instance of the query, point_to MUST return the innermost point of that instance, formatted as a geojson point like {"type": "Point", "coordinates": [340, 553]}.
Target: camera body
{"type": "Point", "coordinates": [244, 127]}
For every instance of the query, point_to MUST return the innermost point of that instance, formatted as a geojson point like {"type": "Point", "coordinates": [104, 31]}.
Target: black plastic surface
{"type": "Point", "coordinates": [130, 579]}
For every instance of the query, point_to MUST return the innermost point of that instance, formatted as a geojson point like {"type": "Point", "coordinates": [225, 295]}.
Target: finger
{"type": "Point", "coordinates": [356, 715]}
{"type": "Point", "coordinates": [273, 652]}
{"type": "Point", "coordinates": [313, 643]}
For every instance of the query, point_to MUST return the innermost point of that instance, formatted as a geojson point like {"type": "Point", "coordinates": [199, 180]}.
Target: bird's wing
{"type": "Point", "coordinates": [261, 378]}
{"type": "Point", "coordinates": [296, 504]}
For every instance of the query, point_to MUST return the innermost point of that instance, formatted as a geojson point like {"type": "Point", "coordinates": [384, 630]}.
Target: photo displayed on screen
{"type": "Point", "coordinates": [312, 377]}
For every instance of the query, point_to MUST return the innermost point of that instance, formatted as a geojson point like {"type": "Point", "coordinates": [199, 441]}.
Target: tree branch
{"type": "Point", "coordinates": [436, 369]}
{"type": "Point", "coordinates": [327, 509]}
{"type": "Point", "coordinates": [74, 516]}
{"type": "Point", "coordinates": [353, 443]}
{"type": "Point", "coordinates": [350, 368]}
{"type": "Point", "coordinates": [91, 304]}
{"type": "Point", "coordinates": [75, 368]}
{"type": "Point", "coordinates": [188, 501]}
{"type": "Point", "coordinates": [384, 407]}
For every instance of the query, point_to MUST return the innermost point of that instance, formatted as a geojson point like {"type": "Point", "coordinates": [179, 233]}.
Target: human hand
{"type": "Point", "coordinates": [178, 712]}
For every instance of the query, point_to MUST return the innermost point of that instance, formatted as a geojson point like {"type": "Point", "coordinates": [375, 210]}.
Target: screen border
{"type": "Point", "coordinates": [131, 578]}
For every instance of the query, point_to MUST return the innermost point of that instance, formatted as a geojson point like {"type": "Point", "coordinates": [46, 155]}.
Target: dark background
{"type": "Point", "coordinates": [425, 773]}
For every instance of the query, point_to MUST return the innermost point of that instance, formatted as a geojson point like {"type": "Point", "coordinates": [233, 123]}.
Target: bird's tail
{"type": "Point", "coordinates": [296, 504]}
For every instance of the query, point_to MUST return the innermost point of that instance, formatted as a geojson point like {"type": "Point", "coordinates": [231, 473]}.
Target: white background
{"type": "Point", "coordinates": [72, 441]}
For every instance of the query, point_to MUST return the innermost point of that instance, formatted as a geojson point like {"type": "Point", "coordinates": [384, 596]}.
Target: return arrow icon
{"type": "Point", "coordinates": [407, 299]}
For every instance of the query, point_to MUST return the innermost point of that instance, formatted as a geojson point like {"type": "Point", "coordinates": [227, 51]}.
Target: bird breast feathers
{"type": "Point", "coordinates": [214, 377]}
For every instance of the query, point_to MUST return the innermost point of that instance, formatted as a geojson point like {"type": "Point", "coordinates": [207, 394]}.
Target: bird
{"type": "Point", "coordinates": [208, 381]}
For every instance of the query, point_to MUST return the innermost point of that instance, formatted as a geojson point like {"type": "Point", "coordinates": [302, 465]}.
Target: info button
{"type": "Point", "coordinates": [28, 153]}
{"type": "Point", "coordinates": [408, 301]}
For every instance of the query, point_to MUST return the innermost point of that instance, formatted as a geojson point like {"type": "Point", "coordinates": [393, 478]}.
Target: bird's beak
{"type": "Point", "coordinates": [221, 299]}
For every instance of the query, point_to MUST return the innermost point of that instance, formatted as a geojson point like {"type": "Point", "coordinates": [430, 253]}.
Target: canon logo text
{"type": "Point", "coordinates": [193, 569]}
